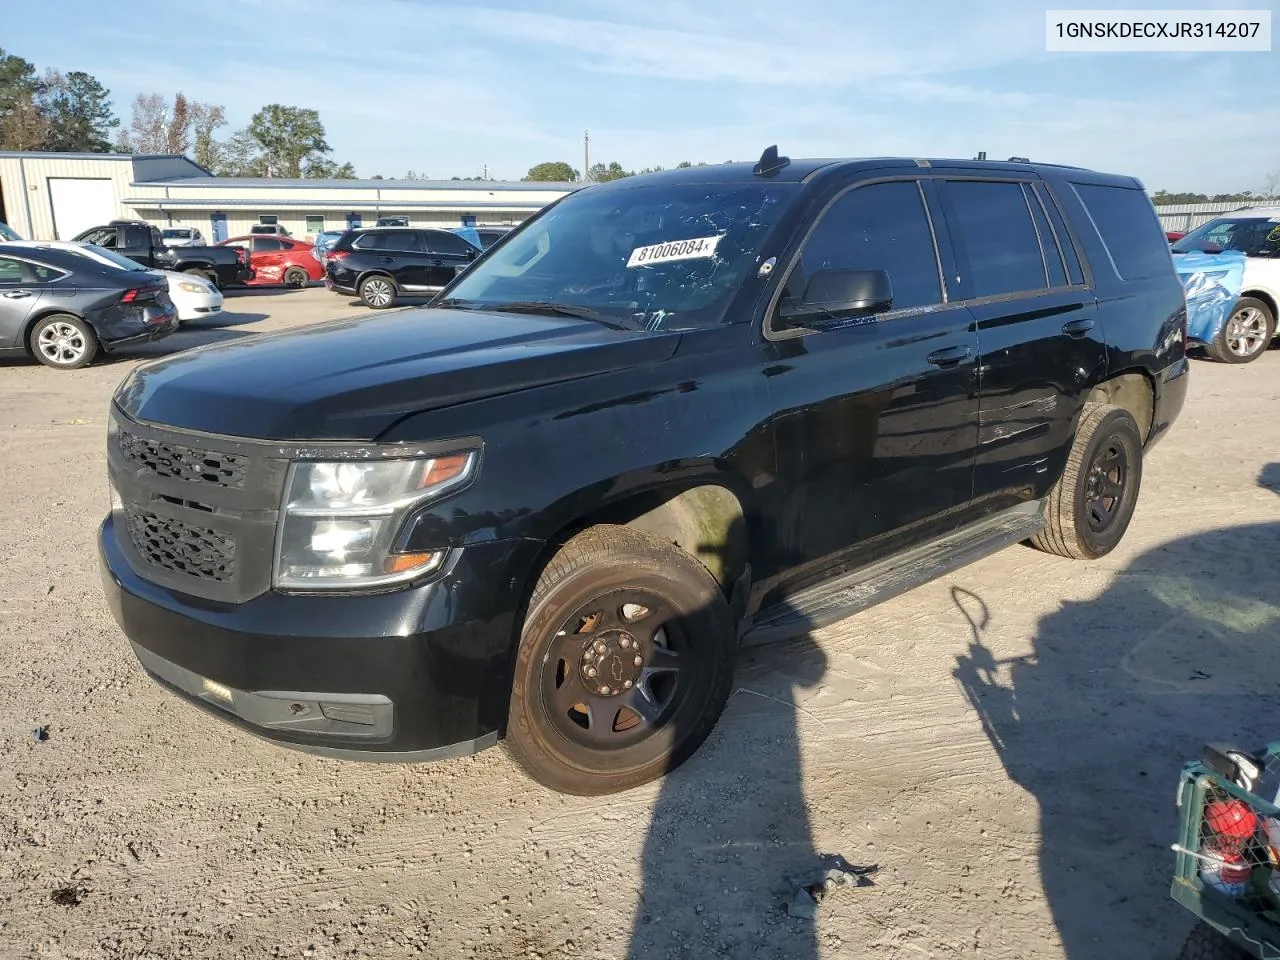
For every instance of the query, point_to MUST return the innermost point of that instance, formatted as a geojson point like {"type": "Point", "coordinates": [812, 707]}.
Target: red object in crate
{"type": "Point", "coordinates": [1231, 819]}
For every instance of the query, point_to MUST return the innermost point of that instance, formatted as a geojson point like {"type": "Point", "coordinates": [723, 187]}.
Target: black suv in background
{"type": "Point", "coordinates": [670, 415]}
{"type": "Point", "coordinates": [378, 264]}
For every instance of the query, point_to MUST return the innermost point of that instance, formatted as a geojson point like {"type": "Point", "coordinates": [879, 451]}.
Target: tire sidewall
{"type": "Point", "coordinates": [91, 341]}
{"type": "Point", "coordinates": [1223, 352]}
{"type": "Point", "coordinates": [296, 277]}
{"type": "Point", "coordinates": [707, 624]}
{"type": "Point", "coordinates": [1119, 425]}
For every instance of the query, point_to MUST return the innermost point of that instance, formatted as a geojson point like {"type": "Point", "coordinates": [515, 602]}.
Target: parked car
{"type": "Point", "coordinates": [63, 307]}
{"type": "Point", "coordinates": [269, 230]}
{"type": "Point", "coordinates": [324, 241]}
{"type": "Point", "coordinates": [484, 237]}
{"type": "Point", "coordinates": [141, 242]}
{"type": "Point", "coordinates": [392, 222]}
{"type": "Point", "coordinates": [7, 233]}
{"type": "Point", "coordinates": [1252, 325]}
{"type": "Point", "coordinates": [1174, 235]}
{"type": "Point", "coordinates": [194, 297]}
{"type": "Point", "coordinates": [380, 264]}
{"type": "Point", "coordinates": [673, 415]}
{"type": "Point", "coordinates": [182, 237]}
{"type": "Point", "coordinates": [278, 260]}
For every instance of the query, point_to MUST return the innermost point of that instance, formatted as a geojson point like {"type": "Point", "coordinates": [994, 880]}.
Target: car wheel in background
{"type": "Point", "coordinates": [1089, 508]}
{"type": "Point", "coordinates": [296, 277]}
{"type": "Point", "coordinates": [63, 342]}
{"type": "Point", "coordinates": [202, 274]}
{"type": "Point", "coordinates": [1246, 334]}
{"type": "Point", "coordinates": [378, 291]}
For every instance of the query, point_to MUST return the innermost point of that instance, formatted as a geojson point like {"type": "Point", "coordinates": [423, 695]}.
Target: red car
{"type": "Point", "coordinates": [1174, 235]}
{"type": "Point", "coordinates": [278, 260]}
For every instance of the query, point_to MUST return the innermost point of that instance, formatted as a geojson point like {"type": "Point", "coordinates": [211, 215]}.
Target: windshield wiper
{"type": "Point", "coordinates": [559, 309]}
{"type": "Point", "coordinates": [455, 303]}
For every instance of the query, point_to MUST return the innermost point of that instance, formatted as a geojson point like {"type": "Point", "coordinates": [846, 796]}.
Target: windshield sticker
{"type": "Point", "coordinates": [699, 248]}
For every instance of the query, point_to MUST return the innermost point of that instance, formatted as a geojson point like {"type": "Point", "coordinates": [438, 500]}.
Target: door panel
{"type": "Point", "coordinates": [18, 297]}
{"type": "Point", "coordinates": [1038, 328]}
{"type": "Point", "coordinates": [878, 416]}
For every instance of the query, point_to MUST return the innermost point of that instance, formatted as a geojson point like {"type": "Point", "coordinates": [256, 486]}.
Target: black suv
{"type": "Point", "coordinates": [378, 264]}
{"type": "Point", "coordinates": [667, 416]}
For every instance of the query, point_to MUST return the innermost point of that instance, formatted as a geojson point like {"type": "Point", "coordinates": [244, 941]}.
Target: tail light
{"type": "Point", "coordinates": [336, 254]}
{"type": "Point", "coordinates": [140, 294]}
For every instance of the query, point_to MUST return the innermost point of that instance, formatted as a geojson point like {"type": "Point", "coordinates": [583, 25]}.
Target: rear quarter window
{"type": "Point", "coordinates": [1130, 230]}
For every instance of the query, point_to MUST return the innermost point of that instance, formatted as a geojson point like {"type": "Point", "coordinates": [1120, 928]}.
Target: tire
{"type": "Point", "coordinates": [377, 291]}
{"type": "Point", "coordinates": [296, 277]}
{"type": "Point", "coordinates": [1246, 335]}
{"type": "Point", "coordinates": [1105, 457]}
{"type": "Point", "coordinates": [63, 342]}
{"type": "Point", "coordinates": [669, 647]}
{"type": "Point", "coordinates": [1206, 943]}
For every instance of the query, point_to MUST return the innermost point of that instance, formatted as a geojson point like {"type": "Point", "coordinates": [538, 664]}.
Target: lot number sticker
{"type": "Point", "coordinates": [699, 248]}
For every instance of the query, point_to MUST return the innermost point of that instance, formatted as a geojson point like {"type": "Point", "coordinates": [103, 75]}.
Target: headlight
{"type": "Point", "coordinates": [340, 519]}
{"type": "Point", "coordinates": [188, 286]}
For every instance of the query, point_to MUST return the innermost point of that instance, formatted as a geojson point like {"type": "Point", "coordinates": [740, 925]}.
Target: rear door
{"type": "Point", "coordinates": [1039, 332]}
{"type": "Point", "coordinates": [448, 255]}
{"type": "Point", "coordinates": [267, 258]}
{"type": "Point", "coordinates": [19, 293]}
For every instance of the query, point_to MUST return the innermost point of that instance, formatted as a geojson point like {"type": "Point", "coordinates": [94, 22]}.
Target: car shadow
{"type": "Point", "coordinates": [1117, 695]}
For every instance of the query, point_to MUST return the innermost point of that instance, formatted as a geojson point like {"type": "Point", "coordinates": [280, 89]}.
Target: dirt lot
{"type": "Point", "coordinates": [1003, 743]}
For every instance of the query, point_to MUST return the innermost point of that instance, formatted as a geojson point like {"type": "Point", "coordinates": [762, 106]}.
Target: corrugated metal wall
{"type": "Point", "coordinates": [296, 222]}
{"type": "Point", "coordinates": [1188, 216]}
{"type": "Point", "coordinates": [25, 182]}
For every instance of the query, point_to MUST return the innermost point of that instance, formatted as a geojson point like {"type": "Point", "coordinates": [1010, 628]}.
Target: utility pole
{"type": "Point", "coordinates": [485, 174]}
{"type": "Point", "coordinates": [586, 156]}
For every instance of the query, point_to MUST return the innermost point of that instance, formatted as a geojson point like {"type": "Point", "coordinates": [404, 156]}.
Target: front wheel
{"type": "Point", "coordinates": [64, 342]}
{"type": "Point", "coordinates": [624, 664]}
{"type": "Point", "coordinates": [1089, 508]}
{"type": "Point", "coordinates": [378, 291]}
{"type": "Point", "coordinates": [1246, 334]}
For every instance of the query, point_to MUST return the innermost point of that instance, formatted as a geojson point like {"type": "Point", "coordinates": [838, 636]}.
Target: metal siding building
{"type": "Point", "coordinates": [46, 196]}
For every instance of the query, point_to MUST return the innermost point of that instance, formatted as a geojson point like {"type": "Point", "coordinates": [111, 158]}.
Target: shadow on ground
{"type": "Point", "coordinates": [1181, 649]}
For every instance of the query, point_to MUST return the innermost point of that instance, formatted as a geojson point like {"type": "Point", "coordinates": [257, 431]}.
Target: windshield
{"type": "Point", "coordinates": [1253, 236]}
{"type": "Point", "coordinates": [94, 252]}
{"type": "Point", "coordinates": [658, 256]}
{"type": "Point", "coordinates": [176, 234]}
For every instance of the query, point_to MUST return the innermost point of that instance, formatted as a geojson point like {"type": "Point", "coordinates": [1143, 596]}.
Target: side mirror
{"type": "Point", "coordinates": [837, 294]}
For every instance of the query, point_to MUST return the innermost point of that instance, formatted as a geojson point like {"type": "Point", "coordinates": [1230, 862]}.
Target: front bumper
{"type": "Point", "coordinates": [421, 673]}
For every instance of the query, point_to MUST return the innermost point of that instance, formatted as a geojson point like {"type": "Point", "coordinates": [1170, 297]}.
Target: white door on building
{"type": "Point", "coordinates": [79, 204]}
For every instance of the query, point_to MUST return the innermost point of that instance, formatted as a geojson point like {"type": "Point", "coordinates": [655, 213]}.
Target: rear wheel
{"type": "Point", "coordinates": [1206, 943]}
{"type": "Point", "coordinates": [63, 342]}
{"type": "Point", "coordinates": [1246, 334]}
{"type": "Point", "coordinates": [378, 291]}
{"type": "Point", "coordinates": [296, 277]}
{"type": "Point", "coordinates": [1089, 508]}
{"type": "Point", "coordinates": [624, 664]}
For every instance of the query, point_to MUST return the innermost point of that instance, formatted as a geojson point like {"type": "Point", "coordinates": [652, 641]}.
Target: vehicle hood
{"type": "Point", "coordinates": [352, 379]}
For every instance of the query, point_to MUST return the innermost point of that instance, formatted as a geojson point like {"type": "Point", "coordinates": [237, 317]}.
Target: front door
{"type": "Point", "coordinates": [877, 421]}
{"type": "Point", "coordinates": [1038, 327]}
{"type": "Point", "coordinates": [448, 255]}
{"type": "Point", "coordinates": [267, 259]}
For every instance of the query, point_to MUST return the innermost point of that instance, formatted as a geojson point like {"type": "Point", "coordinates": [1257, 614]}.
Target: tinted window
{"type": "Point", "coordinates": [264, 244]}
{"type": "Point", "coordinates": [393, 241]}
{"type": "Point", "coordinates": [102, 237]}
{"type": "Point", "coordinates": [996, 243]}
{"type": "Point", "coordinates": [45, 274]}
{"type": "Point", "coordinates": [880, 227]}
{"type": "Point", "coordinates": [438, 241]}
{"type": "Point", "coordinates": [10, 271]}
{"type": "Point", "coordinates": [1130, 230]}
{"type": "Point", "coordinates": [1074, 272]}
{"type": "Point", "coordinates": [137, 237]}
{"type": "Point", "coordinates": [1048, 244]}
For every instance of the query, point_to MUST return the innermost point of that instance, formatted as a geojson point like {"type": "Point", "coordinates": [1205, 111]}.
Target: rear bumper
{"type": "Point", "coordinates": [1170, 396]}
{"type": "Point", "coordinates": [113, 336]}
{"type": "Point", "coordinates": [418, 674]}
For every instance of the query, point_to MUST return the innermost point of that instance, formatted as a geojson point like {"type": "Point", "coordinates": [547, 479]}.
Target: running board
{"type": "Point", "coordinates": [854, 592]}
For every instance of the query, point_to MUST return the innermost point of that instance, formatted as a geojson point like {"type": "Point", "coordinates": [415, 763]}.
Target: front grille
{"type": "Point", "coordinates": [174, 545]}
{"type": "Point", "coordinates": [179, 462]}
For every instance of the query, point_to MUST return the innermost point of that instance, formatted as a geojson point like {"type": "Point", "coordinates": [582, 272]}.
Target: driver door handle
{"type": "Point", "coordinates": [17, 294]}
{"type": "Point", "coordinates": [1077, 328]}
{"type": "Point", "coordinates": [949, 356]}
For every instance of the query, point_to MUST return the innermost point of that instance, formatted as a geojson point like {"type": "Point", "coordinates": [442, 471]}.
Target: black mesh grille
{"type": "Point", "coordinates": [182, 548]}
{"type": "Point", "coordinates": [173, 460]}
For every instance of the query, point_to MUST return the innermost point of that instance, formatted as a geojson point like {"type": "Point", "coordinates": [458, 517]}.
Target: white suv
{"type": "Point", "coordinates": [1255, 233]}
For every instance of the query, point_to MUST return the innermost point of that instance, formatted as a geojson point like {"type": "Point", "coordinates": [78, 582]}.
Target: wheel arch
{"type": "Point", "coordinates": [44, 313]}
{"type": "Point", "coordinates": [1266, 297]}
{"type": "Point", "coordinates": [1133, 390]}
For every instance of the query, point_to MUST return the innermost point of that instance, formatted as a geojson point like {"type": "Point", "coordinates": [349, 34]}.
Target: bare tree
{"type": "Point", "coordinates": [206, 118]}
{"type": "Point", "coordinates": [146, 133]}
{"type": "Point", "coordinates": [1271, 185]}
{"type": "Point", "coordinates": [178, 126]}
{"type": "Point", "coordinates": [24, 127]}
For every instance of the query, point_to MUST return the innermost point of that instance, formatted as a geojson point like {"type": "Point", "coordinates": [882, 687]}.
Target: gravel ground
{"type": "Point", "coordinates": [1003, 744]}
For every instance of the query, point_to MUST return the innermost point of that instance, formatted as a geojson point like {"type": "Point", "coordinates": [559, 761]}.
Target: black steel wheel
{"type": "Point", "coordinates": [624, 664]}
{"type": "Point", "coordinates": [296, 277]}
{"type": "Point", "coordinates": [1089, 508]}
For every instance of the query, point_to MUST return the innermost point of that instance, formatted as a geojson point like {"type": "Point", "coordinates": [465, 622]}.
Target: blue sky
{"type": "Point", "coordinates": [444, 88]}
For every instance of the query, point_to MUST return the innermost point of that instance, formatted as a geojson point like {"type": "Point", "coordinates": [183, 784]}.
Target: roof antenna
{"type": "Point", "coordinates": [769, 162]}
